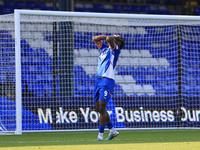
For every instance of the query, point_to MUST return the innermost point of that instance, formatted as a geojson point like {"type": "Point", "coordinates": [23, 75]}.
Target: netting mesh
{"type": "Point", "coordinates": [157, 74]}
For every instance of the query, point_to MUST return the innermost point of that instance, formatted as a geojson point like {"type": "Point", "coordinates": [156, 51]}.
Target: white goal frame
{"type": "Point", "coordinates": [18, 13]}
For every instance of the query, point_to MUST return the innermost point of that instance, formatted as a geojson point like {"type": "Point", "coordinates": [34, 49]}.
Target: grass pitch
{"type": "Point", "coordinates": [127, 139]}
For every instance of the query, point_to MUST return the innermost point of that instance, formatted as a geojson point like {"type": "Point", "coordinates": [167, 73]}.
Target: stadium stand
{"type": "Point", "coordinates": [138, 65]}
{"type": "Point", "coordinates": [110, 6]}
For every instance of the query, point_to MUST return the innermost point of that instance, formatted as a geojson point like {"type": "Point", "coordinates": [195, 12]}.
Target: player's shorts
{"type": "Point", "coordinates": [103, 89]}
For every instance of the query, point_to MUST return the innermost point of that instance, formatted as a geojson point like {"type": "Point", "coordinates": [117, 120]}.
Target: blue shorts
{"type": "Point", "coordinates": [103, 89]}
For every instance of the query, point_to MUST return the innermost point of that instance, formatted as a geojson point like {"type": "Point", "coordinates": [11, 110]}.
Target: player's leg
{"type": "Point", "coordinates": [113, 132]}
{"type": "Point", "coordinates": [104, 117]}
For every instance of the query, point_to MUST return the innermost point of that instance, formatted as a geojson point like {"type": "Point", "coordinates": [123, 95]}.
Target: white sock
{"type": "Point", "coordinates": [100, 135]}
{"type": "Point", "coordinates": [112, 130]}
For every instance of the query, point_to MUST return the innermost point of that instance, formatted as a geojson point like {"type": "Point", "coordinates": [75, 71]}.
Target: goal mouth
{"type": "Point", "coordinates": [48, 65]}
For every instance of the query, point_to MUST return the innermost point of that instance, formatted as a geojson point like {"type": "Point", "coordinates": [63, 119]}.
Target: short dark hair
{"type": "Point", "coordinates": [121, 45]}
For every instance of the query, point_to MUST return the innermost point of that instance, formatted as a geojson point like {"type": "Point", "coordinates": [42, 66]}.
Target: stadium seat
{"type": "Point", "coordinates": [89, 7]}
{"type": "Point", "coordinates": [117, 8]}
{"type": "Point", "coordinates": [40, 5]}
{"type": "Point", "coordinates": [154, 9]}
{"type": "Point", "coordinates": [79, 70]}
{"type": "Point", "coordinates": [171, 89]}
{"type": "Point", "coordinates": [108, 8]}
{"type": "Point", "coordinates": [138, 89]}
{"type": "Point", "coordinates": [94, 53]}
{"type": "Point", "coordinates": [119, 79]}
{"type": "Point", "coordinates": [20, 5]}
{"type": "Point", "coordinates": [84, 53]}
{"type": "Point", "coordinates": [93, 61]}
{"type": "Point", "coordinates": [125, 53]}
{"type": "Point", "coordinates": [140, 70]}
{"type": "Point", "coordinates": [134, 62]}
{"type": "Point", "coordinates": [3, 78]}
{"type": "Point", "coordinates": [126, 8]}
{"type": "Point", "coordinates": [118, 89]}
{"type": "Point", "coordinates": [153, 62]}
{"type": "Point", "coordinates": [136, 53]}
{"type": "Point", "coordinates": [163, 62]}
{"type": "Point", "coordinates": [129, 70]}
{"type": "Point", "coordinates": [152, 70]}
{"type": "Point", "coordinates": [121, 70]}
{"type": "Point", "coordinates": [161, 79]}
{"type": "Point", "coordinates": [81, 61]}
{"type": "Point", "coordinates": [91, 70]}
{"type": "Point", "coordinates": [144, 62]}
{"type": "Point", "coordinates": [163, 10]}
{"type": "Point", "coordinates": [129, 79]}
{"type": "Point", "coordinates": [99, 8]}
{"type": "Point", "coordinates": [124, 62]}
{"type": "Point", "coordinates": [30, 5]}
{"type": "Point", "coordinates": [9, 4]}
{"type": "Point", "coordinates": [148, 89]}
{"type": "Point", "coordinates": [150, 79]}
{"type": "Point", "coordinates": [145, 9]}
{"type": "Point", "coordinates": [128, 89]}
{"type": "Point", "coordinates": [140, 79]}
{"type": "Point", "coordinates": [145, 53]}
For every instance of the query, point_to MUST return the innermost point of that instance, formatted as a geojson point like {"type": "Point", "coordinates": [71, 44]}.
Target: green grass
{"type": "Point", "coordinates": [89, 137]}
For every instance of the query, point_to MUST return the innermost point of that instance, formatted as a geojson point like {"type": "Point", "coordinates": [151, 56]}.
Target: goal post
{"type": "Point", "coordinates": [49, 60]}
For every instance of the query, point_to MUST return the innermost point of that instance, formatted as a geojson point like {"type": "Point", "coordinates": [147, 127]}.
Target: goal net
{"type": "Point", "coordinates": [48, 63]}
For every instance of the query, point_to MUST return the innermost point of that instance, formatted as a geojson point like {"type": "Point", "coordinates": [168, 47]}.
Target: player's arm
{"type": "Point", "coordinates": [97, 40]}
{"type": "Point", "coordinates": [112, 40]}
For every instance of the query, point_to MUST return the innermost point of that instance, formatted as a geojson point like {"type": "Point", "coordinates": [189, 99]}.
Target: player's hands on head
{"type": "Point", "coordinates": [119, 37]}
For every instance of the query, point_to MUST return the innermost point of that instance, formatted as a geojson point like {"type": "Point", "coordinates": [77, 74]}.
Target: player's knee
{"type": "Point", "coordinates": [102, 110]}
{"type": "Point", "coordinates": [97, 109]}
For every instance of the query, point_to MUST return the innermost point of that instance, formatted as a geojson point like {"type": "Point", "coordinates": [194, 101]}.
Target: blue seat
{"type": "Point", "coordinates": [140, 79]}
{"type": "Point", "coordinates": [118, 89]}
{"type": "Point", "coordinates": [172, 70]}
{"type": "Point", "coordinates": [121, 70]}
{"type": "Point", "coordinates": [3, 78]}
{"type": "Point", "coordinates": [41, 52]}
{"type": "Point", "coordinates": [154, 10]}
{"type": "Point", "coordinates": [135, 8]}
{"type": "Point", "coordinates": [7, 10]}
{"type": "Point", "coordinates": [130, 71]}
{"type": "Point", "coordinates": [40, 5]}
{"type": "Point", "coordinates": [148, 1]}
{"type": "Point", "coordinates": [197, 10]}
{"type": "Point", "coordinates": [36, 88]}
{"type": "Point", "coordinates": [151, 70]}
{"type": "Point", "coordinates": [45, 78]}
{"type": "Point", "coordinates": [126, 8]}
{"type": "Point", "coordinates": [30, 4]}
{"type": "Point", "coordinates": [78, 70]}
{"type": "Point", "coordinates": [20, 5]}
{"type": "Point", "coordinates": [4, 34]}
{"type": "Point", "coordinates": [99, 7]}
{"type": "Point", "coordinates": [90, 88]}
{"type": "Point", "coordinates": [150, 79]}
{"type": "Point", "coordinates": [48, 88]}
{"type": "Point", "coordinates": [81, 89]}
{"type": "Point", "coordinates": [161, 79]}
{"type": "Point", "coordinates": [140, 70]}
{"type": "Point", "coordinates": [172, 79]}
{"type": "Point", "coordinates": [24, 44]}
{"type": "Point", "coordinates": [78, 35]}
{"type": "Point", "coordinates": [118, 8]}
{"type": "Point", "coordinates": [145, 9]}
{"type": "Point", "coordinates": [171, 89]}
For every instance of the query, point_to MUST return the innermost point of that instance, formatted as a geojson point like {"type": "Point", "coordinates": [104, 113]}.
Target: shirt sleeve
{"type": "Point", "coordinates": [116, 49]}
{"type": "Point", "coordinates": [103, 45]}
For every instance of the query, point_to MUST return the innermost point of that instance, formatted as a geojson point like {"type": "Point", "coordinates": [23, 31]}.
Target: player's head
{"type": "Point", "coordinates": [119, 41]}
